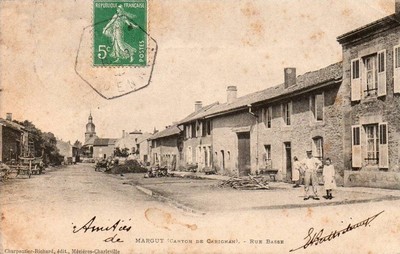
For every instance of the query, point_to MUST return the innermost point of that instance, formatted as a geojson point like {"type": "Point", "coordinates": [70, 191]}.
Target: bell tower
{"type": "Point", "coordinates": [90, 128]}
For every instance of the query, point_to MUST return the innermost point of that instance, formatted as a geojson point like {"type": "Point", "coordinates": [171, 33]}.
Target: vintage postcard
{"type": "Point", "coordinates": [188, 126]}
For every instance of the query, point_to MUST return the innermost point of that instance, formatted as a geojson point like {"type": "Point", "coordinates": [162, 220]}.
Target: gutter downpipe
{"type": "Point", "coordinates": [256, 116]}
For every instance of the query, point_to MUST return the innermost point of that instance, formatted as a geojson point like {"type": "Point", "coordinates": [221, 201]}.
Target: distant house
{"type": "Point", "coordinates": [14, 140]}
{"type": "Point", "coordinates": [67, 150]}
{"type": "Point", "coordinates": [142, 147]}
{"type": "Point", "coordinates": [166, 147]}
{"type": "Point", "coordinates": [129, 141]}
{"type": "Point", "coordinates": [197, 140]}
{"type": "Point", "coordinates": [103, 147]}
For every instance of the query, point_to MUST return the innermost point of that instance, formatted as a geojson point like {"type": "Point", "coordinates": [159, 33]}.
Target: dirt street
{"type": "Point", "coordinates": [41, 213]}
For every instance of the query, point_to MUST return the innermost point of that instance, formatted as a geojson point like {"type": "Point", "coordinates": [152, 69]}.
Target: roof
{"type": "Point", "coordinates": [169, 131]}
{"type": "Point", "coordinates": [104, 141]}
{"type": "Point", "coordinates": [193, 116]}
{"type": "Point", "coordinates": [11, 124]}
{"type": "Point", "coordinates": [309, 80]}
{"type": "Point", "coordinates": [377, 26]}
{"type": "Point", "coordinates": [90, 141]}
{"type": "Point", "coordinates": [143, 137]}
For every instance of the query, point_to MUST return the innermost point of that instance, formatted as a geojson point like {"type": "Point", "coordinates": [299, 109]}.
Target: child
{"type": "Point", "coordinates": [329, 178]}
{"type": "Point", "coordinates": [296, 172]}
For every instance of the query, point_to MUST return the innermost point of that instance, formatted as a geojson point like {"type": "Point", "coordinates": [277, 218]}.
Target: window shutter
{"type": "Point", "coordinates": [396, 68]}
{"type": "Point", "coordinates": [383, 146]}
{"type": "Point", "coordinates": [356, 146]}
{"type": "Point", "coordinates": [355, 80]}
{"type": "Point", "coordinates": [382, 73]}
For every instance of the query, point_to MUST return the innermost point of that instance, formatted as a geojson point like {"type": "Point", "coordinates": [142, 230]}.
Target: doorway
{"type": "Point", "coordinates": [244, 162]}
{"type": "Point", "coordinates": [288, 161]}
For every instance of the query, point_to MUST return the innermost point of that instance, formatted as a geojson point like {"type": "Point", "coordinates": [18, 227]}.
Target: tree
{"type": "Point", "coordinates": [78, 144]}
{"type": "Point", "coordinates": [124, 152]}
{"type": "Point", "coordinates": [44, 143]}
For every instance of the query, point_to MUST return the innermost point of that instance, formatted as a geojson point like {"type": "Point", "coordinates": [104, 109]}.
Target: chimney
{"type": "Point", "coordinates": [123, 133]}
{"type": "Point", "coordinates": [9, 116]}
{"type": "Point", "coordinates": [197, 105]}
{"type": "Point", "coordinates": [231, 94]}
{"type": "Point", "coordinates": [290, 77]}
{"type": "Point", "coordinates": [397, 7]}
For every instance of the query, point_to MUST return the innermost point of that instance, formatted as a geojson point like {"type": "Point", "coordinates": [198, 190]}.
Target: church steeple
{"type": "Point", "coordinates": [90, 128]}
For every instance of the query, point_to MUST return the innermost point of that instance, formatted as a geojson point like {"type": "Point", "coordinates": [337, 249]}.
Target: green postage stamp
{"type": "Point", "coordinates": [119, 34]}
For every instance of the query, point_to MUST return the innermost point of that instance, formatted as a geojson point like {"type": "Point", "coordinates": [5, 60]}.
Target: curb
{"type": "Point", "coordinates": [144, 190]}
{"type": "Point", "coordinates": [170, 201]}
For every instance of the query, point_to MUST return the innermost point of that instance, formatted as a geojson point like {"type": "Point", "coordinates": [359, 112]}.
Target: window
{"type": "Point", "coordinates": [193, 128]}
{"type": "Point", "coordinates": [317, 106]}
{"type": "Point", "coordinates": [206, 128]}
{"type": "Point", "coordinates": [208, 123]}
{"type": "Point", "coordinates": [318, 148]}
{"type": "Point", "coordinates": [368, 76]}
{"type": "Point", "coordinates": [267, 157]}
{"type": "Point", "coordinates": [372, 148]}
{"type": "Point", "coordinates": [370, 87]}
{"type": "Point", "coordinates": [287, 112]}
{"type": "Point", "coordinates": [188, 131]}
{"type": "Point", "coordinates": [267, 116]}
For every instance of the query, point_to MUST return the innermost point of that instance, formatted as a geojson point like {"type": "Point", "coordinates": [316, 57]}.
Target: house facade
{"type": "Point", "coordinates": [371, 71]}
{"type": "Point", "coordinates": [304, 113]}
{"type": "Point", "coordinates": [166, 147]}
{"type": "Point", "coordinates": [142, 147]}
{"type": "Point", "coordinates": [67, 150]}
{"type": "Point", "coordinates": [103, 148]}
{"type": "Point", "coordinates": [197, 141]}
{"type": "Point", "coordinates": [14, 140]}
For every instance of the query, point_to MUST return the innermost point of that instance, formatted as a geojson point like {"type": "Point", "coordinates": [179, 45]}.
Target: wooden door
{"type": "Point", "coordinates": [288, 159]}
{"type": "Point", "coordinates": [244, 162]}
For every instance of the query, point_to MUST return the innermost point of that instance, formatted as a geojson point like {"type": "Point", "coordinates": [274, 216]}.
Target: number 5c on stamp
{"type": "Point", "coordinates": [119, 34]}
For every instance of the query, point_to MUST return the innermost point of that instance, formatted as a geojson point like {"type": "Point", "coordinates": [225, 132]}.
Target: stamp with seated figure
{"type": "Point", "coordinates": [119, 35]}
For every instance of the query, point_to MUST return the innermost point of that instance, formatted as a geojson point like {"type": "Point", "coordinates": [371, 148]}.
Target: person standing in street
{"type": "Point", "coordinates": [311, 165]}
{"type": "Point", "coordinates": [296, 172]}
{"type": "Point", "coordinates": [329, 178]}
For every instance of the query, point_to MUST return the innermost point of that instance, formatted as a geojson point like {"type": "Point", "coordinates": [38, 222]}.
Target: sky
{"type": "Point", "coordinates": [203, 47]}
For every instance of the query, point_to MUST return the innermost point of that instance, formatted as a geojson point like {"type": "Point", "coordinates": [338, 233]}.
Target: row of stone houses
{"type": "Point", "coordinates": [348, 111]}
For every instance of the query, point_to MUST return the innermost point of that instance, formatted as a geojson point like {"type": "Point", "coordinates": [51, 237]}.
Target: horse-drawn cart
{"type": "Point", "coordinates": [25, 166]}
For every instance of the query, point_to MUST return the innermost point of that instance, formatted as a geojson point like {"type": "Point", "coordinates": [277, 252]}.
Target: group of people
{"type": "Point", "coordinates": [307, 169]}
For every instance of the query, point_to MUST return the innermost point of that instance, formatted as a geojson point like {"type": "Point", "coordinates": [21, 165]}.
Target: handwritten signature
{"type": "Point", "coordinates": [118, 226]}
{"type": "Point", "coordinates": [318, 238]}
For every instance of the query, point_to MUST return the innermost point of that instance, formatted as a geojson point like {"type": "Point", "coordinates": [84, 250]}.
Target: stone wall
{"type": "Point", "coordinates": [383, 108]}
{"type": "Point", "coordinates": [301, 132]}
{"type": "Point", "coordinates": [225, 141]}
{"type": "Point", "coordinates": [375, 179]}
